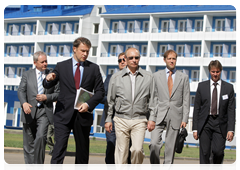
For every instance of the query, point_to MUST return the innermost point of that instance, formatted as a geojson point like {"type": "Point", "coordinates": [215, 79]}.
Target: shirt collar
{"type": "Point", "coordinates": [37, 71]}
{"type": "Point", "coordinates": [219, 82]}
{"type": "Point", "coordinates": [173, 71]}
{"type": "Point", "coordinates": [129, 72]}
{"type": "Point", "coordinates": [75, 62]}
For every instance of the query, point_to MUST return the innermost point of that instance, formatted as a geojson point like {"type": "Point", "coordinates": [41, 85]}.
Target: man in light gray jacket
{"type": "Point", "coordinates": [131, 93]}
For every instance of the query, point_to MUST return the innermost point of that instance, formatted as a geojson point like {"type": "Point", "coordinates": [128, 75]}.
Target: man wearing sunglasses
{"type": "Point", "coordinates": [111, 137]}
{"type": "Point", "coordinates": [131, 94]}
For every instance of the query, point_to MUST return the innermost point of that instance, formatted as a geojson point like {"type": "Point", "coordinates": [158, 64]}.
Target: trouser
{"type": "Point", "coordinates": [34, 138]}
{"type": "Point", "coordinates": [126, 129]}
{"type": "Point", "coordinates": [50, 133]}
{"type": "Point", "coordinates": [211, 142]}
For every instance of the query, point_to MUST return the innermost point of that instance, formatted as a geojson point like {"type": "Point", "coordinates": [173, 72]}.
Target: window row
{"type": "Point", "coordinates": [22, 29]}
{"type": "Point", "coordinates": [55, 28]}
{"type": "Point", "coordinates": [19, 50]}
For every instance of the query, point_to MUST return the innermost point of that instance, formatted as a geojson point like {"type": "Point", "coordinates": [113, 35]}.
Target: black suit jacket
{"type": "Point", "coordinates": [91, 81]}
{"type": "Point", "coordinates": [226, 107]}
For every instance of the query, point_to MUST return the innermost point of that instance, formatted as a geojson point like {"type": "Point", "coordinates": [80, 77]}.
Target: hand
{"type": "Point", "coordinates": [229, 136]}
{"type": "Point", "coordinates": [83, 108]}
{"type": "Point", "coordinates": [41, 97]}
{"type": "Point", "coordinates": [26, 108]}
{"type": "Point", "coordinates": [50, 76]}
{"type": "Point", "coordinates": [195, 136]}
{"type": "Point", "coordinates": [183, 124]}
{"type": "Point", "coordinates": [150, 125]}
{"type": "Point", "coordinates": [108, 127]}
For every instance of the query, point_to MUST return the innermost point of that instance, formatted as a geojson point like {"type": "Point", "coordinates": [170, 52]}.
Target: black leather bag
{"type": "Point", "coordinates": [180, 140]}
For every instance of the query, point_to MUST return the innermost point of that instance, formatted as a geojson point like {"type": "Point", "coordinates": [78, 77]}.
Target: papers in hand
{"type": "Point", "coordinates": [81, 97]}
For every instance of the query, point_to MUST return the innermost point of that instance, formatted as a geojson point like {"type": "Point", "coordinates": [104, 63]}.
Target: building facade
{"type": "Point", "coordinates": [198, 33]}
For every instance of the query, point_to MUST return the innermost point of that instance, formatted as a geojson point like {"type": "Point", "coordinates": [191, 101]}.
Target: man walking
{"type": "Point", "coordinates": [173, 108]}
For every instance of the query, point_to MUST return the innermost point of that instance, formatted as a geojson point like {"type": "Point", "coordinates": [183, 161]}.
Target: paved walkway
{"type": "Point", "coordinates": [13, 160]}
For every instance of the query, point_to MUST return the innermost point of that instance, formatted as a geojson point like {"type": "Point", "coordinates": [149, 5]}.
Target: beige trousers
{"type": "Point", "coordinates": [126, 129]}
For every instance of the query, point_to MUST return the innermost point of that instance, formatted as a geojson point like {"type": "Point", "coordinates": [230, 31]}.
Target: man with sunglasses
{"type": "Point", "coordinates": [131, 94]}
{"type": "Point", "coordinates": [111, 137]}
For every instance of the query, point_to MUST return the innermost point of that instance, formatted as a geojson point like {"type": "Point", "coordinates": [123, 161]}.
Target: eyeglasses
{"type": "Point", "coordinates": [120, 60]}
{"type": "Point", "coordinates": [136, 57]}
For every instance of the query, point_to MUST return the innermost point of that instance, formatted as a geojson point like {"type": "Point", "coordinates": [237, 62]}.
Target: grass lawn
{"type": "Point", "coordinates": [99, 146]}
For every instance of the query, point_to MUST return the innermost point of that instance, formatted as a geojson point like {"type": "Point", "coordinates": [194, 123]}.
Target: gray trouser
{"type": "Point", "coordinates": [50, 133]}
{"type": "Point", "coordinates": [34, 148]}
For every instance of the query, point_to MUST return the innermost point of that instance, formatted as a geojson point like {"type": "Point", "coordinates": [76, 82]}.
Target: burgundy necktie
{"type": "Point", "coordinates": [77, 76]}
{"type": "Point", "coordinates": [214, 100]}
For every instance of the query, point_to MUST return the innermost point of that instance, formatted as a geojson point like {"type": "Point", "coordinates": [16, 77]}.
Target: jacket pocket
{"type": "Point", "coordinates": [118, 105]}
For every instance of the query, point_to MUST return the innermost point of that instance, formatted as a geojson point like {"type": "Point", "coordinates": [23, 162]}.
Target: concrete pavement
{"type": "Point", "coordinates": [14, 160]}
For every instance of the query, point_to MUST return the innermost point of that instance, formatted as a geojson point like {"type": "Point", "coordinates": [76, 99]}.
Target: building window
{"type": "Point", "coordinates": [182, 25]}
{"type": "Point", "coordinates": [144, 51]}
{"type": "Point", "coordinates": [20, 71]}
{"type": "Point", "coordinates": [196, 50]}
{"type": "Point", "coordinates": [96, 28]}
{"type": "Point", "coordinates": [63, 28]}
{"type": "Point", "coordinates": [233, 51]}
{"type": "Point", "coordinates": [99, 10]}
{"type": "Point", "coordinates": [8, 50]}
{"type": "Point", "coordinates": [10, 31]}
{"type": "Point", "coordinates": [76, 27]}
{"type": "Point", "coordinates": [217, 50]}
{"type": "Point", "coordinates": [145, 26]}
{"type": "Point", "coordinates": [32, 50]}
{"type": "Point", "coordinates": [94, 51]}
{"type": "Point", "coordinates": [220, 25]}
{"type": "Point", "coordinates": [48, 50]}
{"type": "Point", "coordinates": [163, 49]}
{"type": "Point", "coordinates": [37, 9]}
{"type": "Point", "coordinates": [192, 100]}
{"type": "Point", "coordinates": [165, 26]}
{"type": "Point", "coordinates": [199, 25]}
{"type": "Point", "coordinates": [115, 27]}
{"type": "Point", "coordinates": [61, 51]}
{"type": "Point", "coordinates": [232, 76]}
{"type": "Point", "coordinates": [20, 51]}
{"type": "Point", "coordinates": [234, 25]}
{"type": "Point", "coordinates": [23, 29]}
{"type": "Point", "coordinates": [34, 29]}
{"type": "Point", "coordinates": [195, 75]}
{"type": "Point", "coordinates": [130, 27]}
{"type": "Point", "coordinates": [50, 26]}
{"type": "Point", "coordinates": [180, 50]}
{"type": "Point", "coordinates": [113, 50]}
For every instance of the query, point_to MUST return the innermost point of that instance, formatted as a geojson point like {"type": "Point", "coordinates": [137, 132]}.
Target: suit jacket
{"type": "Point", "coordinates": [178, 105]}
{"type": "Point", "coordinates": [226, 107]}
{"type": "Point", "coordinates": [91, 81]}
{"type": "Point", "coordinates": [104, 101]}
{"type": "Point", "coordinates": [28, 90]}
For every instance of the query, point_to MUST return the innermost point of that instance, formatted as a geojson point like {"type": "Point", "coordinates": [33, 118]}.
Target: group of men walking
{"type": "Point", "coordinates": [135, 100]}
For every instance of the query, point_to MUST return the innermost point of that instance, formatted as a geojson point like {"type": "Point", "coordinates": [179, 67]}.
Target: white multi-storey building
{"type": "Point", "coordinates": [198, 33]}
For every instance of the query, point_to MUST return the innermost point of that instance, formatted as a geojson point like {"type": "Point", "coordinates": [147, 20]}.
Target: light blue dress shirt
{"type": "Point", "coordinates": [74, 63]}
{"type": "Point", "coordinates": [173, 74]}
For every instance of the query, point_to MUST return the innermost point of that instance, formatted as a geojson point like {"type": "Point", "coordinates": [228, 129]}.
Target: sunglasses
{"type": "Point", "coordinates": [120, 60]}
{"type": "Point", "coordinates": [137, 57]}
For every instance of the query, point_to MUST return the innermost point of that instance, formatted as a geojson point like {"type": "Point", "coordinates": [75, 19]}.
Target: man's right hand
{"type": "Point", "coordinates": [50, 76]}
{"type": "Point", "coordinates": [195, 136]}
{"type": "Point", "coordinates": [26, 108]}
{"type": "Point", "coordinates": [108, 127]}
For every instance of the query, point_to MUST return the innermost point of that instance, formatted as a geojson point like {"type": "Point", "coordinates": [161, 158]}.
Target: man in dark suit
{"type": "Point", "coordinates": [214, 115]}
{"type": "Point", "coordinates": [111, 137]}
{"type": "Point", "coordinates": [37, 105]}
{"type": "Point", "coordinates": [72, 74]}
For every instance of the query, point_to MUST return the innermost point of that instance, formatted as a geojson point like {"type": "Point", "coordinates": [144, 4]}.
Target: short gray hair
{"type": "Point", "coordinates": [37, 54]}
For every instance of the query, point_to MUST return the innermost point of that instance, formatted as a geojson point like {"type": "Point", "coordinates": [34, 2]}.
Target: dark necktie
{"type": "Point", "coordinates": [170, 83]}
{"type": "Point", "coordinates": [77, 76]}
{"type": "Point", "coordinates": [214, 100]}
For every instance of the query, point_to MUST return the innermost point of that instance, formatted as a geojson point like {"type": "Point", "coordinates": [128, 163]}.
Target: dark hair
{"type": "Point", "coordinates": [215, 63]}
{"type": "Point", "coordinates": [82, 40]}
{"type": "Point", "coordinates": [121, 54]}
{"type": "Point", "coordinates": [168, 52]}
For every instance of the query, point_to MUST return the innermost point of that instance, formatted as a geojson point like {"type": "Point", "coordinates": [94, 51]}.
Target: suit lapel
{"type": "Point", "coordinates": [86, 70]}
{"type": "Point", "coordinates": [177, 80]}
{"type": "Point", "coordinates": [163, 80]}
{"type": "Point", "coordinates": [221, 93]}
{"type": "Point", "coordinates": [69, 74]}
{"type": "Point", "coordinates": [34, 79]}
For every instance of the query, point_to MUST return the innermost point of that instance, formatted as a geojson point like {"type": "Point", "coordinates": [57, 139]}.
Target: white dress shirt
{"type": "Point", "coordinates": [133, 78]}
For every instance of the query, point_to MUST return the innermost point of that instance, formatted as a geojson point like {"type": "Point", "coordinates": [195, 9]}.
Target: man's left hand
{"type": "Point", "coordinates": [183, 124]}
{"type": "Point", "coordinates": [229, 136]}
{"type": "Point", "coordinates": [41, 97]}
{"type": "Point", "coordinates": [150, 125]}
{"type": "Point", "coordinates": [83, 108]}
